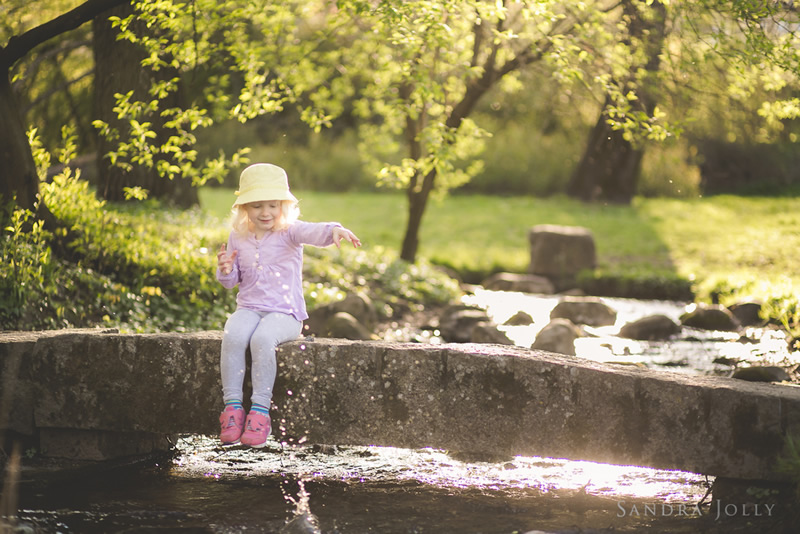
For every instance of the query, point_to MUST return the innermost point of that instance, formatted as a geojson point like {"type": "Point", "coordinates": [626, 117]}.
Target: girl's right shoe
{"type": "Point", "coordinates": [231, 422]}
{"type": "Point", "coordinates": [256, 429]}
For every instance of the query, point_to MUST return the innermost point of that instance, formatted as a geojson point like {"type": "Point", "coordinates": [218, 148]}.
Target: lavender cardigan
{"type": "Point", "coordinates": [269, 272]}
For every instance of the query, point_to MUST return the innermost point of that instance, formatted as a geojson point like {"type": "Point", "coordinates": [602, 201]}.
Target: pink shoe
{"type": "Point", "coordinates": [256, 429]}
{"type": "Point", "coordinates": [231, 421]}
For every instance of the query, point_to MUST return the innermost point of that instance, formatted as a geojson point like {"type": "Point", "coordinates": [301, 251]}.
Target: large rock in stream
{"type": "Point", "coordinates": [559, 253]}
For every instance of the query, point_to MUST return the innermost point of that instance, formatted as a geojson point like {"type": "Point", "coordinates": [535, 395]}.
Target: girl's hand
{"type": "Point", "coordinates": [340, 233]}
{"type": "Point", "coordinates": [225, 260]}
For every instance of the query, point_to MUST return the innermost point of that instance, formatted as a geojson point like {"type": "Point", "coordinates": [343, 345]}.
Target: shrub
{"type": "Point", "coordinates": [324, 163]}
{"type": "Point", "coordinates": [27, 265]}
{"type": "Point", "coordinates": [392, 283]}
{"type": "Point", "coordinates": [143, 269]}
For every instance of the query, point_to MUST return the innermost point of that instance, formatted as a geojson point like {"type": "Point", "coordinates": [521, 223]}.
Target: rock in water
{"type": "Point", "coordinates": [652, 327]}
{"type": "Point", "coordinates": [305, 523]}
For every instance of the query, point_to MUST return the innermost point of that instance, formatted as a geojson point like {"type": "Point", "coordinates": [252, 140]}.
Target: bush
{"type": "Point", "coordinates": [27, 265]}
{"type": "Point", "coordinates": [41, 291]}
{"type": "Point", "coordinates": [749, 168]}
{"type": "Point", "coordinates": [325, 161]}
{"type": "Point", "coordinates": [392, 283]}
{"type": "Point", "coordinates": [139, 268]}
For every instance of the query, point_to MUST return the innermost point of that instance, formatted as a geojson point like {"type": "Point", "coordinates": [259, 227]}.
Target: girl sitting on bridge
{"type": "Point", "coordinates": [264, 257]}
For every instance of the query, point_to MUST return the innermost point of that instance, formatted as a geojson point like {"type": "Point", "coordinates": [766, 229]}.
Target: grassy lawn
{"type": "Point", "coordinates": [742, 245]}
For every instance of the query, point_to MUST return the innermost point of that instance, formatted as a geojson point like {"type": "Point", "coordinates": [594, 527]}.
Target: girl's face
{"type": "Point", "coordinates": [263, 214]}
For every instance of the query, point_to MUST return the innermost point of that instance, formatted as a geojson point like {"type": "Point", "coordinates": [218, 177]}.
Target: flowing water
{"type": "Point", "coordinates": [694, 351]}
{"type": "Point", "coordinates": [205, 487]}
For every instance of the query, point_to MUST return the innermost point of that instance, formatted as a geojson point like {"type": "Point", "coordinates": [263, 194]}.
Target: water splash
{"type": "Point", "coordinates": [303, 522]}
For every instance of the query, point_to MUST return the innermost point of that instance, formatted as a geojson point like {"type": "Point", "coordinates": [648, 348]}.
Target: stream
{"type": "Point", "coordinates": [315, 489]}
{"type": "Point", "coordinates": [693, 351]}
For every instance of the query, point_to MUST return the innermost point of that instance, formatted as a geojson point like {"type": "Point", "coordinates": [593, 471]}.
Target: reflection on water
{"type": "Point", "coordinates": [344, 490]}
{"type": "Point", "coordinates": [201, 456]}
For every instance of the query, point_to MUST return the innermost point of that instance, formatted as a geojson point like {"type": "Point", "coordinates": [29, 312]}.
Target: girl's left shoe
{"type": "Point", "coordinates": [256, 429]}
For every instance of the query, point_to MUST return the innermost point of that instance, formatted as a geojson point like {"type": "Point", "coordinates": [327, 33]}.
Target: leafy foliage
{"type": "Point", "coordinates": [253, 58]}
{"type": "Point", "coordinates": [148, 268]}
{"type": "Point", "coordinates": [25, 267]}
{"type": "Point", "coordinates": [393, 284]}
{"type": "Point", "coordinates": [408, 73]}
{"type": "Point", "coordinates": [784, 308]}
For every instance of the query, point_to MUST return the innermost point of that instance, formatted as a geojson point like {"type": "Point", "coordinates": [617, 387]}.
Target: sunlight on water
{"type": "Point", "coordinates": [694, 351]}
{"type": "Point", "coordinates": [202, 456]}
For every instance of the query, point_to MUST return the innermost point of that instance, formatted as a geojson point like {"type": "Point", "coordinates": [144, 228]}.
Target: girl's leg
{"type": "Point", "coordinates": [238, 330]}
{"type": "Point", "coordinates": [274, 329]}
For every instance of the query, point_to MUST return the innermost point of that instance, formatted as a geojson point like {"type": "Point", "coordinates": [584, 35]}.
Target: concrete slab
{"type": "Point", "coordinates": [490, 400]}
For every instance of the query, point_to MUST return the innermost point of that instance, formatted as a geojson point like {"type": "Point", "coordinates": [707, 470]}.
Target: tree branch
{"type": "Point", "coordinates": [19, 45]}
{"type": "Point", "coordinates": [32, 69]}
{"type": "Point", "coordinates": [63, 86]}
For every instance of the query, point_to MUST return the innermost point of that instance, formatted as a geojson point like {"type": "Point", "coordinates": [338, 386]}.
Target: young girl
{"type": "Point", "coordinates": [264, 256]}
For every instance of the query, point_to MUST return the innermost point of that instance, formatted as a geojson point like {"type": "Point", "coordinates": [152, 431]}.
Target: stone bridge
{"type": "Point", "coordinates": [95, 394]}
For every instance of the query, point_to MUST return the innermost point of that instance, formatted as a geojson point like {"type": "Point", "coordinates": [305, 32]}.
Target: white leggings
{"type": "Point", "coordinates": [263, 331]}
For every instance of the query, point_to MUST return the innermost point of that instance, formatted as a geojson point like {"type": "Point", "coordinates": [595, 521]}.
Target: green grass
{"type": "Point", "coordinates": [731, 245]}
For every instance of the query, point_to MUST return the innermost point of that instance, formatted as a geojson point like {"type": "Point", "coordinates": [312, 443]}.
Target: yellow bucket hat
{"type": "Point", "coordinates": [263, 181]}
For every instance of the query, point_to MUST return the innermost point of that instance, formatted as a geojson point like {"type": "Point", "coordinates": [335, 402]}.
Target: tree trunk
{"type": "Point", "coordinates": [417, 200]}
{"type": "Point", "coordinates": [418, 195]}
{"type": "Point", "coordinates": [610, 166]}
{"type": "Point", "coordinates": [18, 178]}
{"type": "Point", "coordinates": [118, 70]}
